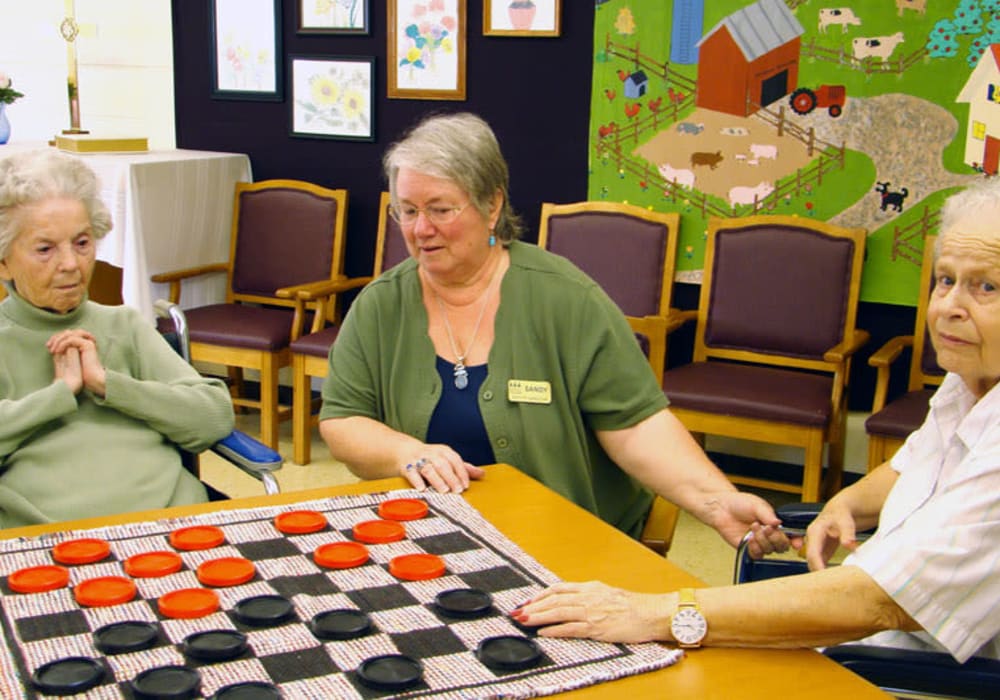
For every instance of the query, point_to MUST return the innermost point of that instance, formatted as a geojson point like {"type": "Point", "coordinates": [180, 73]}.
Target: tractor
{"type": "Point", "coordinates": [804, 100]}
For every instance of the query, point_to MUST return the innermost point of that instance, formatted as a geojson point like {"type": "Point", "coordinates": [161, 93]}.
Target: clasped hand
{"type": "Point", "coordinates": [76, 362]}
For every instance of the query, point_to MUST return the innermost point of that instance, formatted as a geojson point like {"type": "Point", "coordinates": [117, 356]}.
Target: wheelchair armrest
{"type": "Point", "coordinates": [252, 456]}
{"type": "Point", "coordinates": [920, 671]}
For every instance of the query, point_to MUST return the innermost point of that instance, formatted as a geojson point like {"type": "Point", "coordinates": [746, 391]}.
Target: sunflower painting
{"type": "Point", "coordinates": [332, 98]}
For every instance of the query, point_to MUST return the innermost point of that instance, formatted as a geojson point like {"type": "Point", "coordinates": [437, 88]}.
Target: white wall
{"type": "Point", "coordinates": [125, 68]}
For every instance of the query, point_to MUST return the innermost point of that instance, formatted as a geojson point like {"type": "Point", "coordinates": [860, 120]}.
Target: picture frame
{"type": "Point", "coordinates": [246, 50]}
{"type": "Point", "coordinates": [334, 17]}
{"type": "Point", "coordinates": [426, 49]}
{"type": "Point", "coordinates": [332, 97]}
{"type": "Point", "coordinates": [539, 18]}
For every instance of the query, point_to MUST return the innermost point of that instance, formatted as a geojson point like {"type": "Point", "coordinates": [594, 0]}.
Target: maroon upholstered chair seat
{"type": "Point", "coordinates": [254, 327]}
{"type": "Point", "coordinates": [902, 416]}
{"type": "Point", "coordinates": [765, 393]}
{"type": "Point", "coordinates": [316, 344]}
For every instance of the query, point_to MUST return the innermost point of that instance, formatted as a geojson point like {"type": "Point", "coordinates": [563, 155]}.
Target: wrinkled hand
{"type": "Point", "coordinates": [439, 467]}
{"type": "Point", "coordinates": [84, 346]}
{"type": "Point", "coordinates": [833, 527]}
{"type": "Point", "coordinates": [734, 513]}
{"type": "Point", "coordinates": [597, 611]}
{"type": "Point", "coordinates": [67, 369]}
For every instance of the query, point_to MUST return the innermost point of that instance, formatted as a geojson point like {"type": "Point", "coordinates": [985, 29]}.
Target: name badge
{"type": "Point", "coordinates": [523, 391]}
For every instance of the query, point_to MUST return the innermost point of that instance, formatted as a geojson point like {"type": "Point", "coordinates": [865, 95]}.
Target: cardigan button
{"type": "Point", "coordinates": [487, 395]}
{"type": "Point", "coordinates": [502, 443]}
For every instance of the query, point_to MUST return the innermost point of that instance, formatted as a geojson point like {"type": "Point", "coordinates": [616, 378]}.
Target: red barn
{"type": "Point", "coordinates": [750, 58]}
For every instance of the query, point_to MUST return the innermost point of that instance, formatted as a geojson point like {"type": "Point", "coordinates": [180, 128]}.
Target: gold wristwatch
{"type": "Point", "coordinates": [688, 625]}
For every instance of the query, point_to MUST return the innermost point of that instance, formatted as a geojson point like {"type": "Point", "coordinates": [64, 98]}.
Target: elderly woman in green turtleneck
{"type": "Point", "coordinates": [93, 402]}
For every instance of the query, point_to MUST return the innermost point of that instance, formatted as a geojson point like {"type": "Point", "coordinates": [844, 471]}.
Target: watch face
{"type": "Point", "coordinates": [688, 626]}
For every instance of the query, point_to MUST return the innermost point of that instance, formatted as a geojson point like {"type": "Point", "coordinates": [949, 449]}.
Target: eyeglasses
{"type": "Point", "coordinates": [406, 214]}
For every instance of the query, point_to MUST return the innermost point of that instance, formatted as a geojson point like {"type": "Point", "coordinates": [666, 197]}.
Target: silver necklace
{"type": "Point", "coordinates": [460, 372]}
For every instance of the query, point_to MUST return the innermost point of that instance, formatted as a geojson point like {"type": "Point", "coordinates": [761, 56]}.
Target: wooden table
{"type": "Point", "coordinates": [577, 546]}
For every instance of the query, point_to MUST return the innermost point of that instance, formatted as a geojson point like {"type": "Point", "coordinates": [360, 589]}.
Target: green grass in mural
{"type": "Point", "coordinates": [937, 80]}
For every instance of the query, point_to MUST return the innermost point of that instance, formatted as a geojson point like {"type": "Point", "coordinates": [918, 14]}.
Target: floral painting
{"type": "Point", "coordinates": [333, 16]}
{"type": "Point", "coordinates": [427, 48]}
{"type": "Point", "coordinates": [246, 49]}
{"type": "Point", "coordinates": [332, 97]}
{"type": "Point", "coordinates": [521, 17]}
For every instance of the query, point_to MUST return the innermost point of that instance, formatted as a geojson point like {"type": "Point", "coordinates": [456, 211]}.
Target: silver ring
{"type": "Point", "coordinates": [423, 462]}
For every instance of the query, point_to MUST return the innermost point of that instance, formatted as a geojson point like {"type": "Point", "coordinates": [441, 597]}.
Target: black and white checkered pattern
{"type": "Point", "coordinates": [38, 628]}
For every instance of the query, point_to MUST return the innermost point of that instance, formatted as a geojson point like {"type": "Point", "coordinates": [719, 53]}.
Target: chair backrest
{"type": "Point", "coordinates": [924, 369]}
{"type": "Point", "coordinates": [630, 251]}
{"type": "Point", "coordinates": [285, 232]}
{"type": "Point", "coordinates": [778, 290]}
{"type": "Point", "coordinates": [390, 248]}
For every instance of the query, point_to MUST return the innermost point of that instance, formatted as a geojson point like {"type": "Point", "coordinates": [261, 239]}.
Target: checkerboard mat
{"type": "Point", "coordinates": [38, 628]}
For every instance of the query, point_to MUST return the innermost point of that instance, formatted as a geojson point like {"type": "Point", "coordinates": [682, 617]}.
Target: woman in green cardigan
{"type": "Point", "coordinates": [93, 402]}
{"type": "Point", "coordinates": [481, 349]}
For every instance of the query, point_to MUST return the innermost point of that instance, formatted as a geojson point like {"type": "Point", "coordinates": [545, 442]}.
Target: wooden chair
{"type": "Point", "coordinates": [311, 351]}
{"type": "Point", "coordinates": [632, 253]}
{"type": "Point", "coordinates": [775, 336]}
{"type": "Point", "coordinates": [890, 423]}
{"type": "Point", "coordinates": [287, 235]}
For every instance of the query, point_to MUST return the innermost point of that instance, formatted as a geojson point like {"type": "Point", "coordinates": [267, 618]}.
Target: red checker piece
{"type": "Point", "coordinates": [341, 555]}
{"type": "Point", "coordinates": [188, 603]}
{"type": "Point", "coordinates": [197, 537]}
{"type": "Point", "coordinates": [38, 579]}
{"type": "Point", "coordinates": [104, 591]}
{"type": "Point", "coordinates": [86, 550]}
{"type": "Point", "coordinates": [300, 522]}
{"type": "Point", "coordinates": [153, 564]}
{"type": "Point", "coordinates": [403, 509]}
{"type": "Point", "coordinates": [226, 571]}
{"type": "Point", "coordinates": [379, 531]}
{"type": "Point", "coordinates": [416, 567]}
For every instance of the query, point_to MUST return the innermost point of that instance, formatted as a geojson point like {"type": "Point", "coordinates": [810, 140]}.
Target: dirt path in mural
{"type": "Point", "coordinates": [905, 138]}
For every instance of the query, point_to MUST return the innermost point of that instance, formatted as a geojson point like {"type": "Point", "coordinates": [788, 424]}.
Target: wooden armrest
{"type": "Point", "coordinates": [312, 291]}
{"type": "Point", "coordinates": [677, 318]}
{"type": "Point", "coordinates": [840, 352]}
{"type": "Point", "coordinates": [888, 353]}
{"type": "Point", "coordinates": [174, 277]}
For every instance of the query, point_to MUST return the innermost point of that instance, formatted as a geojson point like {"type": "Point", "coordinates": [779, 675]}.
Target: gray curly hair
{"type": "Point", "coordinates": [461, 148]}
{"type": "Point", "coordinates": [28, 177]}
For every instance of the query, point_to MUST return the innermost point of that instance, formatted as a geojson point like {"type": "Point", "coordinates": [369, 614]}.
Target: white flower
{"type": "Point", "coordinates": [4, 80]}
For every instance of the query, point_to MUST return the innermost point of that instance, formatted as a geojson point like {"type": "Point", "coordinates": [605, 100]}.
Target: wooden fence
{"type": "Point", "coordinates": [905, 239]}
{"type": "Point", "coordinates": [868, 65]}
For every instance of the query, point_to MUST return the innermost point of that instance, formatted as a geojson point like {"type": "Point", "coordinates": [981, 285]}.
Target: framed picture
{"type": "Point", "coordinates": [426, 49]}
{"type": "Point", "coordinates": [246, 49]}
{"type": "Point", "coordinates": [332, 97]}
{"type": "Point", "coordinates": [333, 17]}
{"type": "Point", "coordinates": [521, 17]}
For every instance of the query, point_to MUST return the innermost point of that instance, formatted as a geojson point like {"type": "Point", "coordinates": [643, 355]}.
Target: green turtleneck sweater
{"type": "Point", "coordinates": [66, 456]}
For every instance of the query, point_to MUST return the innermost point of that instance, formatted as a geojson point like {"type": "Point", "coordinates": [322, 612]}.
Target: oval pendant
{"type": "Point", "coordinates": [461, 380]}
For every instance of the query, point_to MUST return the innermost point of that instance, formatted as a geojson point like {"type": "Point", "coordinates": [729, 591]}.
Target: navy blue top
{"type": "Point", "coordinates": [456, 420]}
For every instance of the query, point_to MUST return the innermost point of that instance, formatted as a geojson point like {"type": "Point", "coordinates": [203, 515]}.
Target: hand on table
{"type": "Point", "coordinates": [441, 468]}
{"type": "Point", "coordinates": [597, 611]}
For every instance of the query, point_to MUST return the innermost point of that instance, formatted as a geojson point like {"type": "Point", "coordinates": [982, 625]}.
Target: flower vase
{"type": "Point", "coordinates": [521, 14]}
{"type": "Point", "coordinates": [4, 124]}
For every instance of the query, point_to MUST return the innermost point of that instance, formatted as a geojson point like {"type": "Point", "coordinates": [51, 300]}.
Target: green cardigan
{"type": "Point", "coordinates": [65, 456]}
{"type": "Point", "coordinates": [554, 325]}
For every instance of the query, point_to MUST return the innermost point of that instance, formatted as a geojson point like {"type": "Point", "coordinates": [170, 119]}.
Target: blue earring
{"type": "Point", "coordinates": [493, 239]}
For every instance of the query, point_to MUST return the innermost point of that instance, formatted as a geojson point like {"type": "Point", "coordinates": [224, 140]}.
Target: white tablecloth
{"type": "Point", "coordinates": [171, 210]}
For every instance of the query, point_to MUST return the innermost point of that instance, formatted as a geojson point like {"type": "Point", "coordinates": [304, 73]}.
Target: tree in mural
{"type": "Point", "coordinates": [977, 18]}
{"type": "Point", "coordinates": [625, 22]}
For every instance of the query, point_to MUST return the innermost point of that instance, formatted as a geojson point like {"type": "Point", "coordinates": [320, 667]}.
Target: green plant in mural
{"type": "Point", "coordinates": [974, 18]}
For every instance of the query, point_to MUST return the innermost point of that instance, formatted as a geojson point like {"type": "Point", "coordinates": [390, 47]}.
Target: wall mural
{"type": "Point", "coordinates": [865, 114]}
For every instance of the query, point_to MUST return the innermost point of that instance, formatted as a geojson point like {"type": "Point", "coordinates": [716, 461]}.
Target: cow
{"type": "Point", "coordinates": [838, 15]}
{"type": "Point", "coordinates": [712, 160]}
{"type": "Point", "coordinates": [918, 6]}
{"type": "Point", "coordinates": [742, 194]}
{"type": "Point", "coordinates": [880, 47]}
{"type": "Point", "coordinates": [764, 150]}
{"type": "Point", "coordinates": [678, 176]}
